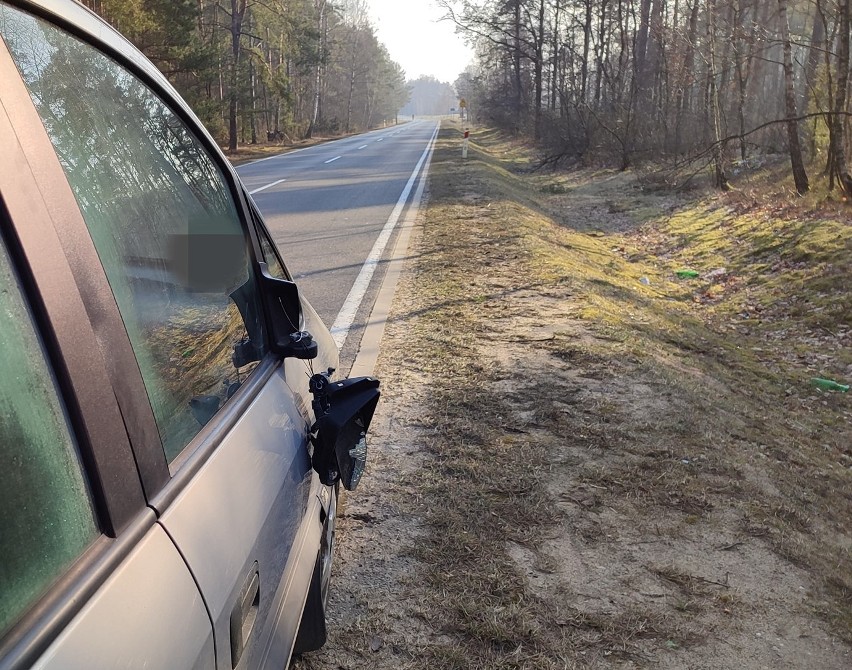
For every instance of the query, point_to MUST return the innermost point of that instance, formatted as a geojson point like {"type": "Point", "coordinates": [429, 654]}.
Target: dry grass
{"type": "Point", "coordinates": [549, 361]}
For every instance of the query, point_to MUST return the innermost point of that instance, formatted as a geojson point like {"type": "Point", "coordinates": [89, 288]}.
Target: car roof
{"type": "Point", "coordinates": [82, 21]}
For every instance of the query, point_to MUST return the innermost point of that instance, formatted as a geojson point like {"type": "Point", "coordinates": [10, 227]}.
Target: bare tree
{"type": "Point", "coordinates": [800, 176]}
{"type": "Point", "coordinates": [664, 80]}
{"type": "Point", "coordinates": [320, 7]}
{"type": "Point", "coordinates": [721, 178]}
{"type": "Point", "coordinates": [839, 167]}
{"type": "Point", "coordinates": [238, 12]}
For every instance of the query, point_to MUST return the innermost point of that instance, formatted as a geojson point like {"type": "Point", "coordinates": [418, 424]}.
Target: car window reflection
{"type": "Point", "coordinates": [162, 219]}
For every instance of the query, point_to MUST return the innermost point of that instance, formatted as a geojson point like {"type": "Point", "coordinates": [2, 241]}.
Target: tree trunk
{"type": "Point", "coordinates": [741, 72]}
{"type": "Point", "coordinates": [539, 70]}
{"type": "Point", "coordinates": [253, 87]}
{"type": "Point", "coordinates": [817, 44]}
{"type": "Point", "coordinates": [555, 46]}
{"type": "Point", "coordinates": [602, 53]}
{"type": "Point", "coordinates": [683, 99]}
{"type": "Point", "coordinates": [518, 101]}
{"type": "Point", "coordinates": [809, 84]}
{"type": "Point", "coordinates": [320, 6]}
{"type": "Point", "coordinates": [238, 10]}
{"type": "Point", "coordinates": [713, 101]}
{"type": "Point", "coordinates": [840, 168]}
{"type": "Point", "coordinates": [349, 100]}
{"type": "Point", "coordinates": [641, 50]}
{"type": "Point", "coordinates": [272, 69]}
{"type": "Point", "coordinates": [587, 40]}
{"type": "Point", "coordinates": [799, 174]}
{"type": "Point", "coordinates": [726, 45]}
{"type": "Point", "coordinates": [654, 49]}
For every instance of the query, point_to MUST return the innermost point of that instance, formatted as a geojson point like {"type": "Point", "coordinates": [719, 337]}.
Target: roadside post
{"type": "Point", "coordinates": [463, 113]}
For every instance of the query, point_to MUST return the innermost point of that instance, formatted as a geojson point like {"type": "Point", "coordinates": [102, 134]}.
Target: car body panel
{"type": "Point", "coordinates": [148, 614]}
{"type": "Point", "coordinates": [246, 505]}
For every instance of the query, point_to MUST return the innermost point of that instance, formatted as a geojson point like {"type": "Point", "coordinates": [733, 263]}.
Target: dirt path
{"type": "Point", "coordinates": [561, 473]}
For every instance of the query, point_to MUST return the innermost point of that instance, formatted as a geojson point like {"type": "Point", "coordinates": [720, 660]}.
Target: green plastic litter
{"type": "Point", "coordinates": [829, 384]}
{"type": "Point", "coordinates": [687, 274]}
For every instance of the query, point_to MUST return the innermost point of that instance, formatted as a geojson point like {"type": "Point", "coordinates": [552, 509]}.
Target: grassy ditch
{"type": "Point", "coordinates": [625, 466]}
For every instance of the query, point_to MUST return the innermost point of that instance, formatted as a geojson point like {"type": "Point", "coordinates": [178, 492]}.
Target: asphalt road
{"type": "Point", "coordinates": [326, 206]}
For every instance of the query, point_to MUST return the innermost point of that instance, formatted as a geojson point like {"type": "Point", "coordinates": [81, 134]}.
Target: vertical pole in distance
{"type": "Point", "coordinates": [464, 143]}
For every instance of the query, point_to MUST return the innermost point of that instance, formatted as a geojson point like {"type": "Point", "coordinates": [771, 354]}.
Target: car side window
{"type": "Point", "coordinates": [162, 219]}
{"type": "Point", "coordinates": [267, 247]}
{"type": "Point", "coordinates": [46, 513]}
{"type": "Point", "coordinates": [270, 256]}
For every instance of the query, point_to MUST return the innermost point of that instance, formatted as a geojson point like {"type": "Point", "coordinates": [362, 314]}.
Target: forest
{"type": "Point", "coordinates": [690, 85]}
{"type": "Point", "coordinates": [429, 97]}
{"type": "Point", "coordinates": [267, 70]}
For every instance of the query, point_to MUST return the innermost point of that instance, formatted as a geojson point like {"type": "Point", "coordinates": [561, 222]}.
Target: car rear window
{"type": "Point", "coordinates": [46, 514]}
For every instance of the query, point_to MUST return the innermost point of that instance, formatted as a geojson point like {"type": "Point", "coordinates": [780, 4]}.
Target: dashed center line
{"type": "Point", "coordinates": [331, 160]}
{"type": "Point", "coordinates": [363, 146]}
{"type": "Point", "coordinates": [263, 188]}
{"type": "Point", "coordinates": [380, 139]}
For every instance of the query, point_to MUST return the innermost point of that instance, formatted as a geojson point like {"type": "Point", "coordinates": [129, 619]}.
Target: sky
{"type": "Point", "coordinates": [417, 40]}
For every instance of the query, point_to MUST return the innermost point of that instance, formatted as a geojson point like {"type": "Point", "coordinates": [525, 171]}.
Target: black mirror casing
{"type": "Point", "coordinates": [282, 304]}
{"type": "Point", "coordinates": [339, 435]}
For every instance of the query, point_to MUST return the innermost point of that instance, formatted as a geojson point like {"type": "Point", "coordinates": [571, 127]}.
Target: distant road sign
{"type": "Point", "coordinates": [462, 103]}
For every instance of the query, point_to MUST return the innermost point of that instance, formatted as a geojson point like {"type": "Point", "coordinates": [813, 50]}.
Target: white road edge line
{"type": "Point", "coordinates": [263, 188]}
{"type": "Point", "coordinates": [343, 323]}
{"type": "Point", "coordinates": [363, 146]}
{"type": "Point", "coordinates": [331, 160]}
{"type": "Point", "coordinates": [368, 354]}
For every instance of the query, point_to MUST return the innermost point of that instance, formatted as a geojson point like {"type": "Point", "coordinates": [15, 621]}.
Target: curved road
{"type": "Point", "coordinates": [327, 205]}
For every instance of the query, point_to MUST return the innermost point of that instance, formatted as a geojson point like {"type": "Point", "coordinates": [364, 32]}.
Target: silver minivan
{"type": "Point", "coordinates": [172, 438]}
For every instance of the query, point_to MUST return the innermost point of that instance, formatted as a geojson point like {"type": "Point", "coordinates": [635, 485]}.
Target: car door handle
{"type": "Point", "coordinates": [244, 615]}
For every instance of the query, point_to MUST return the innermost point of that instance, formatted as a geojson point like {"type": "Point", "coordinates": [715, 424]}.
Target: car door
{"type": "Point", "coordinates": [79, 547]}
{"type": "Point", "coordinates": [87, 576]}
{"type": "Point", "coordinates": [219, 435]}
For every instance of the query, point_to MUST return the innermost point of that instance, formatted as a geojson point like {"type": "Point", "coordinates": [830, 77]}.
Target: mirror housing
{"type": "Point", "coordinates": [343, 412]}
{"type": "Point", "coordinates": [282, 304]}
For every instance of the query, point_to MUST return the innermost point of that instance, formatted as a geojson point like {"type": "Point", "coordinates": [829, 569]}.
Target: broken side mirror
{"type": "Point", "coordinates": [281, 300]}
{"type": "Point", "coordinates": [343, 412]}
